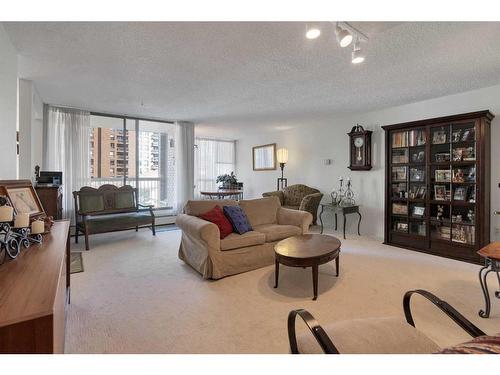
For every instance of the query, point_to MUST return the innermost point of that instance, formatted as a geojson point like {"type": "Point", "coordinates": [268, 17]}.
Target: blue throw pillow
{"type": "Point", "coordinates": [238, 219]}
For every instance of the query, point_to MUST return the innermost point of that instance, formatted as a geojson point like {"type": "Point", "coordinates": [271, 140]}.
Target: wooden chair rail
{"type": "Point", "coordinates": [445, 307]}
{"type": "Point", "coordinates": [329, 348]}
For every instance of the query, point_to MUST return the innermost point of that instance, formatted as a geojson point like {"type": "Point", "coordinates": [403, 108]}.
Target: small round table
{"type": "Point", "coordinates": [491, 254]}
{"type": "Point", "coordinates": [308, 250]}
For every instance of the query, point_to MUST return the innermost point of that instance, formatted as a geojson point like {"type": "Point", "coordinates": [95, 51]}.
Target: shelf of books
{"type": "Point", "coordinates": [433, 184]}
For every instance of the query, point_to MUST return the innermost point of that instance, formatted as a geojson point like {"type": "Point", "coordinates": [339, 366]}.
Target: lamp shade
{"type": "Point", "coordinates": [282, 155]}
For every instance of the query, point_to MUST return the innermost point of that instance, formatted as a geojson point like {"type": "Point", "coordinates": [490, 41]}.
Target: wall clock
{"type": "Point", "coordinates": [360, 145]}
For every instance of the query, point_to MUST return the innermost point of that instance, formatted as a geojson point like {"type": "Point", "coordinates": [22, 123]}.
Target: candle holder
{"type": "Point", "coordinates": [338, 195]}
{"type": "Point", "coordinates": [348, 198]}
{"type": "Point", "coordinates": [9, 243]}
{"type": "Point", "coordinates": [25, 237]}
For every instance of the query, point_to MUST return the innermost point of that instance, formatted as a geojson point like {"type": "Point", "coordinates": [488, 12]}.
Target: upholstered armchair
{"type": "Point", "coordinates": [299, 197]}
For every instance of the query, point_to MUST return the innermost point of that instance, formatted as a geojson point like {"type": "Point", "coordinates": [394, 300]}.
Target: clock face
{"type": "Point", "coordinates": [358, 142]}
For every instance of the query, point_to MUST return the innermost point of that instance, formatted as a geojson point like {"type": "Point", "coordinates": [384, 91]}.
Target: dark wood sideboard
{"type": "Point", "coordinates": [34, 293]}
{"type": "Point", "coordinates": [51, 199]}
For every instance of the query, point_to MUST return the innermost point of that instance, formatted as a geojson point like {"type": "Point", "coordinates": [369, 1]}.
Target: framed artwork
{"type": "Point", "coordinates": [399, 173]}
{"type": "Point", "coordinates": [440, 192]}
{"type": "Point", "coordinates": [439, 137]}
{"type": "Point", "coordinates": [23, 197]}
{"type": "Point", "coordinates": [460, 193]}
{"type": "Point", "coordinates": [418, 156]}
{"type": "Point", "coordinates": [399, 209]}
{"type": "Point", "coordinates": [442, 175]}
{"type": "Point", "coordinates": [418, 211]}
{"type": "Point", "coordinates": [402, 227]}
{"type": "Point", "coordinates": [264, 157]}
{"type": "Point", "coordinates": [417, 174]}
{"type": "Point", "coordinates": [442, 157]}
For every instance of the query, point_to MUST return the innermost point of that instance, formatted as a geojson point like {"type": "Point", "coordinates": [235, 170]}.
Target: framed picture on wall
{"type": "Point", "coordinates": [264, 157]}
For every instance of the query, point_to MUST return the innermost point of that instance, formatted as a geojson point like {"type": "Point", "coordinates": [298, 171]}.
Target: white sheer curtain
{"type": "Point", "coordinates": [213, 157]}
{"type": "Point", "coordinates": [184, 157]}
{"type": "Point", "coordinates": [66, 149]}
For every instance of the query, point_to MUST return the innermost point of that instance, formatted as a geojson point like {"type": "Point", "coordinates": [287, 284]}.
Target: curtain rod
{"type": "Point", "coordinates": [106, 114]}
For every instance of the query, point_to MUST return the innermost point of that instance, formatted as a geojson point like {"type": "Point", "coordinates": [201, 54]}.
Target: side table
{"type": "Point", "coordinates": [344, 210]}
{"type": "Point", "coordinates": [491, 254]}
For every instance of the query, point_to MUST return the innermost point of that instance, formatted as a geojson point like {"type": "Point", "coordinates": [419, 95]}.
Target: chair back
{"type": "Point", "coordinates": [105, 199]}
{"type": "Point", "coordinates": [294, 194]}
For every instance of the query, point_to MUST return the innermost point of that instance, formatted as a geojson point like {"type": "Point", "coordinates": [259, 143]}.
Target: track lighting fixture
{"type": "Point", "coordinates": [313, 32]}
{"type": "Point", "coordinates": [346, 34]}
{"type": "Point", "coordinates": [357, 55]}
{"type": "Point", "coordinates": [344, 37]}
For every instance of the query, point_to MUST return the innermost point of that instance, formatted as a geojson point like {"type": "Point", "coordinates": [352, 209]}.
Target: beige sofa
{"type": "Point", "coordinates": [202, 248]}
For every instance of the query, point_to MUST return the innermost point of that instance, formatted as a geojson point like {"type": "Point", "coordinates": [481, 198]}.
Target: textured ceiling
{"type": "Point", "coordinates": [222, 75]}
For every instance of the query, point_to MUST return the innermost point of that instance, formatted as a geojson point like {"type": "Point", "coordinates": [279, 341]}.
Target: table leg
{"type": "Point", "coordinates": [315, 281]}
{"type": "Point", "coordinates": [321, 218]}
{"type": "Point", "coordinates": [276, 272]}
{"type": "Point", "coordinates": [337, 264]}
{"type": "Point", "coordinates": [359, 223]}
{"type": "Point", "coordinates": [344, 225]}
{"type": "Point", "coordinates": [483, 273]}
{"type": "Point", "coordinates": [335, 221]}
{"type": "Point", "coordinates": [497, 294]}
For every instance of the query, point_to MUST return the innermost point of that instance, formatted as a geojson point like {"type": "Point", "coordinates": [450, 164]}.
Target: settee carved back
{"type": "Point", "coordinates": [105, 199]}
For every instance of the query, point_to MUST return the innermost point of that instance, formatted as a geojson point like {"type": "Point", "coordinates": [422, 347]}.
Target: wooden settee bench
{"type": "Point", "coordinates": [108, 209]}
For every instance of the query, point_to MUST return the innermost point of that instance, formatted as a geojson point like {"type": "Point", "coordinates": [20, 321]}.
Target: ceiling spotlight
{"type": "Point", "coordinates": [313, 33]}
{"type": "Point", "coordinates": [344, 37]}
{"type": "Point", "coordinates": [357, 55]}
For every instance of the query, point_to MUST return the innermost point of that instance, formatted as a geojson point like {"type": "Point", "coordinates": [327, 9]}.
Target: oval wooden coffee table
{"type": "Point", "coordinates": [308, 250]}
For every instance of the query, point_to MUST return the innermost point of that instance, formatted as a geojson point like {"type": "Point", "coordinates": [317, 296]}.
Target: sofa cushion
{"type": "Point", "coordinates": [103, 223]}
{"type": "Point", "coordinates": [237, 241]}
{"type": "Point", "coordinates": [276, 232]}
{"type": "Point", "coordinates": [216, 216]}
{"type": "Point", "coordinates": [197, 207]}
{"type": "Point", "coordinates": [370, 336]}
{"type": "Point", "coordinates": [261, 211]}
{"type": "Point", "coordinates": [238, 219]}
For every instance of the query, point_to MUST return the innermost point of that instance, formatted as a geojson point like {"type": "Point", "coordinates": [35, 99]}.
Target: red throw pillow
{"type": "Point", "coordinates": [216, 216]}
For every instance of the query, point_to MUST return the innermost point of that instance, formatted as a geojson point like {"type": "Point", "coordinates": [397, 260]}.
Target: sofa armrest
{"type": "Point", "coordinates": [301, 219]}
{"type": "Point", "coordinates": [199, 229]}
{"type": "Point", "coordinates": [278, 194]}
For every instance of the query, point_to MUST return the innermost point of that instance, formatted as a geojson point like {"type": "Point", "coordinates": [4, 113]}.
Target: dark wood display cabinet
{"type": "Point", "coordinates": [438, 185]}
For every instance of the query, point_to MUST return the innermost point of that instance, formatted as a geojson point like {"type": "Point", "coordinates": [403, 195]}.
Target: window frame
{"type": "Point", "coordinates": [125, 158]}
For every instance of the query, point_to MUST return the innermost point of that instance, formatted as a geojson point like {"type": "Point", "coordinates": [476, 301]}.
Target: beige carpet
{"type": "Point", "coordinates": [136, 296]}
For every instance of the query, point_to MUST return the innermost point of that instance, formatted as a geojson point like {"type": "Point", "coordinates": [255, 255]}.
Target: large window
{"type": "Point", "coordinates": [134, 152]}
{"type": "Point", "coordinates": [213, 157]}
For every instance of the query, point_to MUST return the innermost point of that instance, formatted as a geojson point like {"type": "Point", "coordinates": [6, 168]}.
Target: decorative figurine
{"type": "Point", "coordinates": [470, 216]}
{"type": "Point", "coordinates": [440, 212]}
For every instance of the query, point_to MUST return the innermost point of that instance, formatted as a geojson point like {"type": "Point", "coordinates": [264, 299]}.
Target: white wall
{"type": "Point", "coordinates": [311, 143]}
{"type": "Point", "coordinates": [8, 107]}
{"type": "Point", "coordinates": [30, 129]}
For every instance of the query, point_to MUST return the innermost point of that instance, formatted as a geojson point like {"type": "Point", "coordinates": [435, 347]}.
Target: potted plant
{"type": "Point", "coordinates": [228, 180]}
